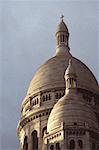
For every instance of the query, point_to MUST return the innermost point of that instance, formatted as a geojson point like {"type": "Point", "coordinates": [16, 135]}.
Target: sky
{"type": "Point", "coordinates": [27, 39]}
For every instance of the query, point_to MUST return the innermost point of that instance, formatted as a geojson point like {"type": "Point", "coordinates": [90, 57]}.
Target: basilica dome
{"type": "Point", "coordinates": [51, 75]}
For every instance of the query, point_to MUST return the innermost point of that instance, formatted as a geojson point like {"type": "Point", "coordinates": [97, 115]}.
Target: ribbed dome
{"type": "Point", "coordinates": [70, 109]}
{"type": "Point", "coordinates": [51, 75]}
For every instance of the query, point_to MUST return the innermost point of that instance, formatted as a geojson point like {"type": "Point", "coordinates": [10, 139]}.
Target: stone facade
{"type": "Point", "coordinates": [45, 124]}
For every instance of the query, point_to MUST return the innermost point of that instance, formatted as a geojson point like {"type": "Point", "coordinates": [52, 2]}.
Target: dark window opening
{"type": "Point", "coordinates": [60, 95]}
{"type": "Point", "coordinates": [93, 146]}
{"type": "Point", "coordinates": [43, 98]}
{"type": "Point", "coordinates": [46, 113]}
{"type": "Point", "coordinates": [63, 38]}
{"type": "Point", "coordinates": [49, 96]}
{"type": "Point", "coordinates": [52, 147]}
{"type": "Point", "coordinates": [34, 102]}
{"type": "Point", "coordinates": [57, 146]}
{"type": "Point", "coordinates": [34, 140]}
{"type": "Point", "coordinates": [80, 144]}
{"type": "Point", "coordinates": [72, 145]}
{"type": "Point", "coordinates": [56, 95]}
{"type": "Point", "coordinates": [25, 146]}
{"type": "Point", "coordinates": [46, 97]}
{"type": "Point", "coordinates": [75, 123]}
{"type": "Point", "coordinates": [37, 100]}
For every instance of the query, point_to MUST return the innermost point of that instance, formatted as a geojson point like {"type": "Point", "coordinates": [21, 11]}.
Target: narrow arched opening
{"type": "Point", "coordinates": [57, 146]}
{"type": "Point", "coordinates": [80, 144]}
{"type": "Point", "coordinates": [52, 147]}
{"type": "Point", "coordinates": [34, 140]}
{"type": "Point", "coordinates": [25, 146]}
{"type": "Point", "coordinates": [93, 146]}
{"type": "Point", "coordinates": [72, 145]}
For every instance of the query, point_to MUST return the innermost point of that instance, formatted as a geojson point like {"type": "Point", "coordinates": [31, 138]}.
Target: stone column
{"type": "Point", "coordinates": [87, 141]}
{"type": "Point", "coordinates": [29, 139]}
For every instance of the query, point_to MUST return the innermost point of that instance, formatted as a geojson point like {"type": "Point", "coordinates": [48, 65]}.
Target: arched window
{"type": "Point", "coordinates": [80, 144]}
{"type": "Point", "coordinates": [37, 101]}
{"type": "Point", "coordinates": [63, 38]}
{"type": "Point", "coordinates": [59, 95]}
{"type": "Point", "coordinates": [43, 98]}
{"type": "Point", "coordinates": [67, 83]}
{"type": "Point", "coordinates": [56, 95]}
{"type": "Point", "coordinates": [52, 147]}
{"type": "Point", "coordinates": [25, 146]}
{"type": "Point", "coordinates": [58, 40]}
{"type": "Point", "coordinates": [72, 145]}
{"type": "Point", "coordinates": [57, 146]}
{"type": "Point", "coordinates": [74, 83]}
{"type": "Point", "coordinates": [70, 83]}
{"type": "Point", "coordinates": [43, 130]}
{"type": "Point", "coordinates": [93, 146]}
{"type": "Point", "coordinates": [49, 96]}
{"type": "Point", "coordinates": [46, 97]}
{"type": "Point", "coordinates": [34, 140]}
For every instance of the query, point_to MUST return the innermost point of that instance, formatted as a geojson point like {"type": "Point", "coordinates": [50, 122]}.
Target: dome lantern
{"type": "Point", "coordinates": [62, 36]}
{"type": "Point", "coordinates": [70, 76]}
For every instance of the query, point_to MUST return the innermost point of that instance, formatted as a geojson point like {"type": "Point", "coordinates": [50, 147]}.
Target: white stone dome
{"type": "Point", "coordinates": [69, 110]}
{"type": "Point", "coordinates": [51, 75]}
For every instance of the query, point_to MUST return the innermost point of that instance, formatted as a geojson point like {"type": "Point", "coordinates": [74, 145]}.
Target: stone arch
{"type": "Point", "coordinates": [34, 140]}
{"type": "Point", "coordinates": [80, 144]}
{"type": "Point", "coordinates": [57, 146]}
{"type": "Point", "coordinates": [25, 145]}
{"type": "Point", "coordinates": [52, 147]}
{"type": "Point", "coordinates": [72, 145]}
{"type": "Point", "coordinates": [93, 146]}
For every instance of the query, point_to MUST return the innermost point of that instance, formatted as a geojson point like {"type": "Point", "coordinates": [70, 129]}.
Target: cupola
{"type": "Point", "coordinates": [70, 77]}
{"type": "Point", "coordinates": [62, 37]}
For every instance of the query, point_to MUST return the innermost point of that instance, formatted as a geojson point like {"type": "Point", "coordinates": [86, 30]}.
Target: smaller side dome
{"type": "Point", "coordinates": [71, 107]}
{"type": "Point", "coordinates": [69, 110]}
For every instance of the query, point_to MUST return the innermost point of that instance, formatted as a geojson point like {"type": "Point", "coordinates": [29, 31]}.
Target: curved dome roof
{"type": "Point", "coordinates": [70, 110]}
{"type": "Point", "coordinates": [62, 27]}
{"type": "Point", "coordinates": [51, 75]}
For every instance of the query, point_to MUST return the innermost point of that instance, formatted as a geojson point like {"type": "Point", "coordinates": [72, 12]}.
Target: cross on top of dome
{"type": "Point", "coordinates": [62, 16]}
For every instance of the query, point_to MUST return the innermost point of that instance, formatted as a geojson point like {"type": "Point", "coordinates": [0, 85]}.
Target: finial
{"type": "Point", "coordinates": [62, 16]}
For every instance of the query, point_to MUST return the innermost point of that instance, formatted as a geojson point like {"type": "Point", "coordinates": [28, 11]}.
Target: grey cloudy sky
{"type": "Point", "coordinates": [27, 39]}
